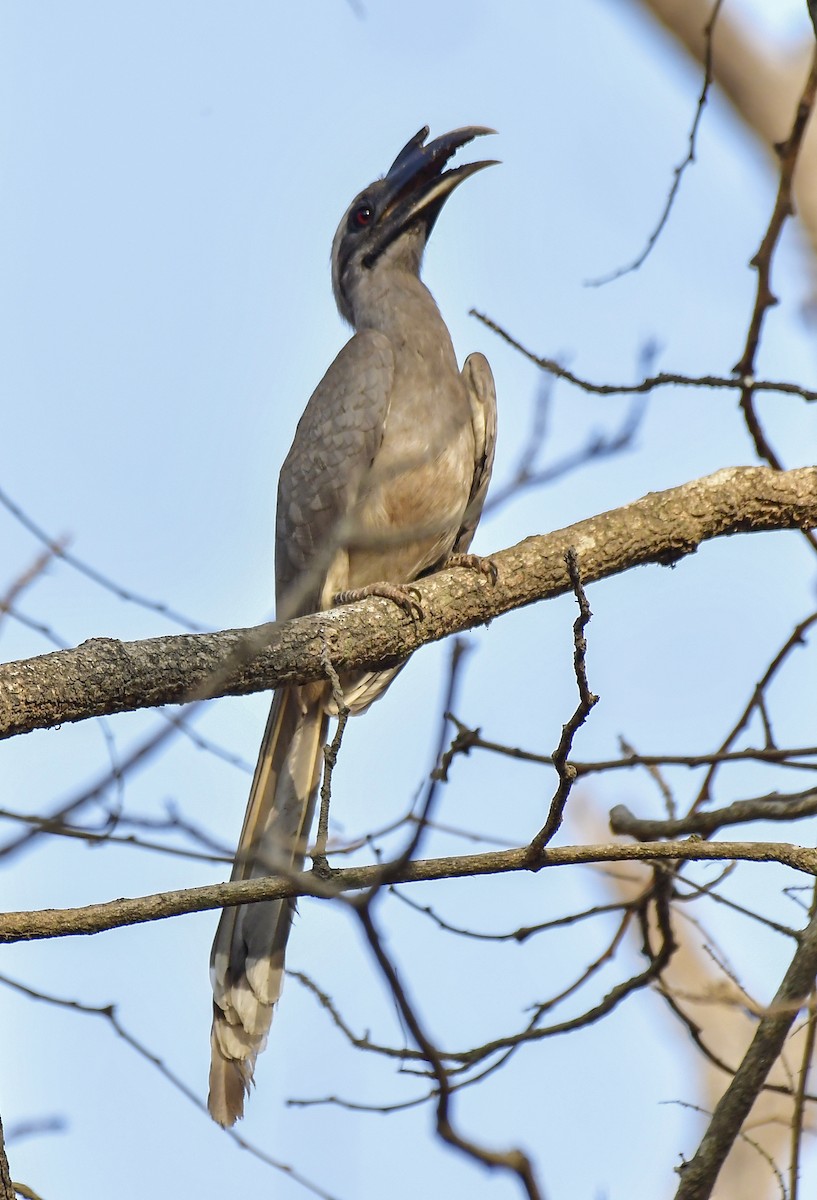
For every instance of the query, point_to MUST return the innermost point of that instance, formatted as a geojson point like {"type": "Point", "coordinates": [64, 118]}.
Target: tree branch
{"type": "Point", "coordinates": [698, 1176]}
{"type": "Point", "coordinates": [7, 1189]}
{"type": "Point", "coordinates": [107, 676]}
{"type": "Point", "coordinates": [649, 383]}
{"type": "Point", "coordinates": [772, 807]}
{"type": "Point", "coordinates": [114, 914]}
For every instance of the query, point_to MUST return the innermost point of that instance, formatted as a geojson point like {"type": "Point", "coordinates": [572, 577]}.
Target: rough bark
{"type": "Point", "coordinates": [105, 676]}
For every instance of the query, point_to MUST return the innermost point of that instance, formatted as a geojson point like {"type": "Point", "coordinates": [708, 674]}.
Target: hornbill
{"type": "Point", "coordinates": [384, 482]}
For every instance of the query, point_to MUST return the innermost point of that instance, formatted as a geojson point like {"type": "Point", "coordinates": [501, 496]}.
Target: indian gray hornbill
{"type": "Point", "coordinates": [384, 483]}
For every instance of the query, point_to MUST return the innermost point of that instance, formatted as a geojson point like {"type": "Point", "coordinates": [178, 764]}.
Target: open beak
{"type": "Point", "coordinates": [417, 186]}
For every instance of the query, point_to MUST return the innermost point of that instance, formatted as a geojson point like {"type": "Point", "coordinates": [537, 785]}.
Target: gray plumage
{"type": "Point", "coordinates": [385, 480]}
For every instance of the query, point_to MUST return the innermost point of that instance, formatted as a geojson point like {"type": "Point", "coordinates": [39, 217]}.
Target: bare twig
{"type": "Point", "coordinates": [392, 872]}
{"type": "Point", "coordinates": [27, 578]}
{"type": "Point", "coordinates": [697, 1035]}
{"type": "Point", "coordinates": [587, 700]}
{"type": "Point", "coordinates": [599, 444]}
{"type": "Point", "coordinates": [710, 890]}
{"type": "Point", "coordinates": [330, 758]}
{"type": "Point", "coordinates": [137, 757]}
{"type": "Point", "coordinates": [762, 262]}
{"type": "Point", "coordinates": [514, 1160]}
{"type": "Point", "coordinates": [56, 547]}
{"type": "Point", "coordinates": [520, 935]}
{"type": "Point", "coordinates": [795, 638]}
{"type": "Point", "coordinates": [36, 1127]}
{"type": "Point", "coordinates": [97, 837]}
{"type": "Point", "coordinates": [27, 1193]}
{"type": "Point", "coordinates": [656, 774]}
{"type": "Point", "coordinates": [467, 739]}
{"type": "Point", "coordinates": [662, 379]}
{"type": "Point", "coordinates": [678, 171]}
{"type": "Point", "coordinates": [45, 631]}
{"type": "Point", "coordinates": [109, 1014]}
{"type": "Point", "coordinates": [767, 1158]}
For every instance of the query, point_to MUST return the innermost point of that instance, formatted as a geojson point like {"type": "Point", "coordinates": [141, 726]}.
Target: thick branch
{"type": "Point", "coordinates": [7, 1189]}
{"type": "Point", "coordinates": [95, 918]}
{"type": "Point", "coordinates": [699, 1175]}
{"type": "Point", "coordinates": [105, 676]}
{"type": "Point", "coordinates": [705, 822]}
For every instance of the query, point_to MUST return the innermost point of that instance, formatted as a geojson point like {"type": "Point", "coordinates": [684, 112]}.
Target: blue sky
{"type": "Point", "coordinates": [172, 178]}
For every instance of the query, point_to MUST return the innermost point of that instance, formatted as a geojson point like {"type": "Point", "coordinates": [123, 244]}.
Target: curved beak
{"type": "Point", "coordinates": [417, 186]}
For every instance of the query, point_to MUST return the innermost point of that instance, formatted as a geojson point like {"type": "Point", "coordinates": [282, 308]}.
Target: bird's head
{"type": "Point", "coordinates": [390, 220]}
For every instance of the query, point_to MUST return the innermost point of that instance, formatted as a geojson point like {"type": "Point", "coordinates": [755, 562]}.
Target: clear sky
{"type": "Point", "coordinates": [172, 177]}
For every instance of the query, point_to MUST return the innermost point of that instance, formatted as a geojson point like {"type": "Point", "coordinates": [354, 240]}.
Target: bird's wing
{"type": "Point", "coordinates": [479, 384]}
{"type": "Point", "coordinates": [335, 444]}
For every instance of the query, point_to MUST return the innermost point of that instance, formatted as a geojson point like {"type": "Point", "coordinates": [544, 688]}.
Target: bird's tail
{"type": "Point", "coordinates": [247, 960]}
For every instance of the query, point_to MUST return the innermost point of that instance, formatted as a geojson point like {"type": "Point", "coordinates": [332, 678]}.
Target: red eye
{"type": "Point", "coordinates": [362, 216]}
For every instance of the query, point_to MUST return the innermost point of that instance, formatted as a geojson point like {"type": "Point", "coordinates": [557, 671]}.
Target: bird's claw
{"type": "Point", "coordinates": [404, 595]}
{"type": "Point", "coordinates": [475, 562]}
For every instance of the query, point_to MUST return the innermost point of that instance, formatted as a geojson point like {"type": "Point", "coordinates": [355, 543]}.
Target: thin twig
{"type": "Point", "coordinates": [598, 445]}
{"type": "Point", "coordinates": [678, 171]}
{"type": "Point", "coordinates": [98, 837]}
{"type": "Point", "coordinates": [514, 1160]}
{"type": "Point", "coordinates": [29, 576]}
{"type": "Point", "coordinates": [138, 756]}
{"type": "Point", "coordinates": [56, 547]}
{"type": "Point", "coordinates": [765, 299]}
{"type": "Point", "coordinates": [467, 739]}
{"type": "Point", "coordinates": [795, 638]}
{"type": "Point", "coordinates": [391, 871]}
{"type": "Point", "coordinates": [767, 1158]}
{"type": "Point", "coordinates": [109, 1014]}
{"type": "Point", "coordinates": [587, 701]}
{"type": "Point", "coordinates": [662, 379]}
{"type": "Point", "coordinates": [330, 758]}
{"type": "Point", "coordinates": [520, 935]}
{"type": "Point", "coordinates": [655, 773]}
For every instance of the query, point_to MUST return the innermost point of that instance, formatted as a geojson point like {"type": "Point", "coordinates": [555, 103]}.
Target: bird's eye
{"type": "Point", "coordinates": [362, 216]}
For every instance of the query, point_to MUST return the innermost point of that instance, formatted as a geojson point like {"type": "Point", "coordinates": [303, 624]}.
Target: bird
{"type": "Point", "coordinates": [384, 483]}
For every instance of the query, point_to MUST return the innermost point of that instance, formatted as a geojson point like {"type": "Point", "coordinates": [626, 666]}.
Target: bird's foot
{"type": "Point", "coordinates": [401, 594]}
{"type": "Point", "coordinates": [474, 562]}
